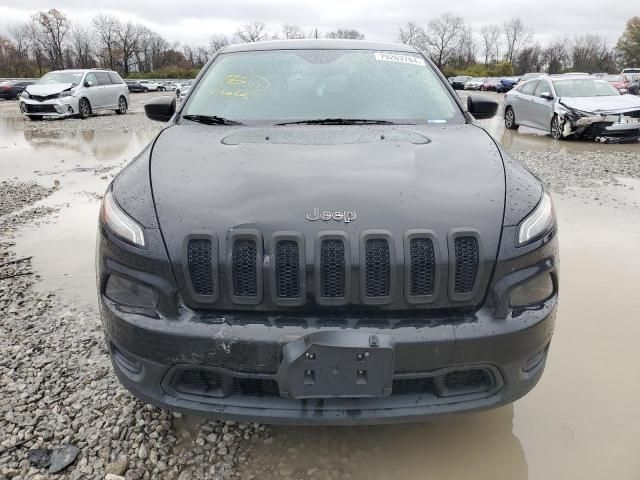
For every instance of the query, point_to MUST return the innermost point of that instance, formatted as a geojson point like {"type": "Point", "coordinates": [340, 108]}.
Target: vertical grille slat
{"type": "Point", "coordinates": [287, 269]}
{"type": "Point", "coordinates": [466, 264]}
{"type": "Point", "coordinates": [377, 268]}
{"type": "Point", "coordinates": [422, 267]}
{"type": "Point", "coordinates": [244, 268]}
{"type": "Point", "coordinates": [332, 268]}
{"type": "Point", "coordinates": [201, 271]}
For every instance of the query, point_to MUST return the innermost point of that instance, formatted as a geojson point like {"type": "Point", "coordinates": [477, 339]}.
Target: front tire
{"type": "Point", "coordinates": [557, 128]}
{"type": "Point", "coordinates": [177, 93]}
{"type": "Point", "coordinates": [84, 108]}
{"type": "Point", "coordinates": [122, 106]}
{"type": "Point", "coordinates": [145, 90]}
{"type": "Point", "coordinates": [510, 119]}
{"type": "Point", "coordinates": [161, 89]}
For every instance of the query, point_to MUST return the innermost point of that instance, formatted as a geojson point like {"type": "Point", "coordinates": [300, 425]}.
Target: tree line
{"type": "Point", "coordinates": [49, 40]}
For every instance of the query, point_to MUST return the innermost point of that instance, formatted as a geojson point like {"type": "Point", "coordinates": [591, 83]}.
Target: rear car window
{"type": "Point", "coordinates": [115, 78]}
{"type": "Point", "coordinates": [103, 78]}
{"type": "Point", "coordinates": [288, 85]}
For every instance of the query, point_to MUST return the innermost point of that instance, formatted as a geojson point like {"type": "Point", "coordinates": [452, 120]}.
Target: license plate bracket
{"type": "Point", "coordinates": [337, 364]}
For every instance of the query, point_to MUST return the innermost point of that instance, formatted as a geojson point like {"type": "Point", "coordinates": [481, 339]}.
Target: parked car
{"type": "Point", "coordinates": [152, 86]}
{"type": "Point", "coordinates": [135, 86]}
{"type": "Point", "coordinates": [573, 106]}
{"type": "Point", "coordinates": [11, 89]}
{"type": "Point", "coordinates": [376, 284]}
{"type": "Point", "coordinates": [630, 71]}
{"type": "Point", "coordinates": [634, 85]}
{"type": "Point", "coordinates": [183, 88]}
{"type": "Point", "coordinates": [620, 82]}
{"type": "Point", "coordinates": [474, 83]}
{"type": "Point", "coordinates": [506, 83]}
{"type": "Point", "coordinates": [490, 85]}
{"type": "Point", "coordinates": [458, 82]}
{"type": "Point", "coordinates": [169, 86]}
{"type": "Point", "coordinates": [64, 93]}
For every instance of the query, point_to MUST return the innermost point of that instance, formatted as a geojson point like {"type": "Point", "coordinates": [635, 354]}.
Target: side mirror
{"type": "Point", "coordinates": [160, 109]}
{"type": "Point", "coordinates": [88, 83]}
{"type": "Point", "coordinates": [481, 107]}
{"type": "Point", "coordinates": [546, 96]}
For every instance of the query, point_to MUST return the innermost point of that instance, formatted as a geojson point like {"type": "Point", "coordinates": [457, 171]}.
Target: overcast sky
{"type": "Point", "coordinates": [192, 22]}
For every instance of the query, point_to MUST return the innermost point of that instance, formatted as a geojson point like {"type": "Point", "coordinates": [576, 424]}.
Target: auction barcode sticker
{"type": "Point", "coordinates": [398, 58]}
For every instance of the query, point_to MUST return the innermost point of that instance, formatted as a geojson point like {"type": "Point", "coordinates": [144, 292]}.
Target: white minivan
{"type": "Point", "coordinates": [65, 93]}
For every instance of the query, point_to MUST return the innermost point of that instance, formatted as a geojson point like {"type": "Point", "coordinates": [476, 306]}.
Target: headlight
{"type": "Point", "coordinates": [68, 93]}
{"type": "Point", "coordinates": [25, 94]}
{"type": "Point", "coordinates": [539, 222]}
{"type": "Point", "coordinates": [119, 223]}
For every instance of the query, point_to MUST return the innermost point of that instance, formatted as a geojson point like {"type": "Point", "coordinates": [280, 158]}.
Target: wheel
{"type": "Point", "coordinates": [556, 128]}
{"type": "Point", "coordinates": [161, 89]}
{"type": "Point", "coordinates": [35, 118]}
{"type": "Point", "coordinates": [177, 93]}
{"type": "Point", "coordinates": [84, 108]}
{"type": "Point", "coordinates": [510, 119]}
{"type": "Point", "coordinates": [145, 90]}
{"type": "Point", "coordinates": [122, 106]}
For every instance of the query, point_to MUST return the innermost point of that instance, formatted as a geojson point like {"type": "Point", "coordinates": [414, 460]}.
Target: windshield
{"type": "Point", "coordinates": [584, 87]}
{"type": "Point", "coordinates": [529, 76]}
{"type": "Point", "coordinates": [287, 85]}
{"type": "Point", "coordinates": [61, 77]}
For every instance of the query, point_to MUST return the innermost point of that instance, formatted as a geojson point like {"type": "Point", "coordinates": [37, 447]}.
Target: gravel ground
{"type": "Point", "coordinates": [57, 387]}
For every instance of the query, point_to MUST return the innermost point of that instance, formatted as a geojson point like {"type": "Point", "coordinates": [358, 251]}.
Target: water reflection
{"type": "Point", "coordinates": [480, 445]}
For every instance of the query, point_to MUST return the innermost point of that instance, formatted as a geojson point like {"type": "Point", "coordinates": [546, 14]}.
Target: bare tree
{"type": "Point", "coordinates": [292, 32]}
{"type": "Point", "coordinates": [52, 27]}
{"type": "Point", "coordinates": [81, 46]}
{"type": "Point", "coordinates": [20, 34]}
{"type": "Point", "coordinates": [253, 31]}
{"type": "Point", "coordinates": [467, 48]}
{"type": "Point", "coordinates": [346, 33]}
{"type": "Point", "coordinates": [106, 28]}
{"type": "Point", "coordinates": [529, 59]}
{"type": "Point", "coordinates": [589, 53]}
{"type": "Point", "coordinates": [556, 55]}
{"type": "Point", "coordinates": [127, 36]}
{"type": "Point", "coordinates": [216, 42]}
{"type": "Point", "coordinates": [516, 36]}
{"type": "Point", "coordinates": [443, 36]}
{"type": "Point", "coordinates": [412, 34]}
{"type": "Point", "coordinates": [490, 42]}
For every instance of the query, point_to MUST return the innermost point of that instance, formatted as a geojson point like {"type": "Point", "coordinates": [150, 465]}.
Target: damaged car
{"type": "Point", "coordinates": [322, 233]}
{"type": "Point", "coordinates": [569, 106]}
{"type": "Point", "coordinates": [66, 93]}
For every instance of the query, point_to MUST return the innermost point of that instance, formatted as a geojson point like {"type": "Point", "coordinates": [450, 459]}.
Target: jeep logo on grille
{"type": "Point", "coordinates": [345, 216]}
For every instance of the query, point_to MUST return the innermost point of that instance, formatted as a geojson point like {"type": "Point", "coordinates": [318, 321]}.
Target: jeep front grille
{"type": "Point", "coordinates": [200, 266]}
{"type": "Point", "coordinates": [422, 267]}
{"type": "Point", "coordinates": [332, 268]}
{"type": "Point", "coordinates": [288, 269]}
{"type": "Point", "coordinates": [244, 268]}
{"type": "Point", "coordinates": [466, 264]}
{"type": "Point", "coordinates": [377, 268]}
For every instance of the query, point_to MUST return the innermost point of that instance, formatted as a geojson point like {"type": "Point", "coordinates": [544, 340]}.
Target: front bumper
{"type": "Point", "coordinates": [240, 356]}
{"type": "Point", "coordinates": [57, 107]}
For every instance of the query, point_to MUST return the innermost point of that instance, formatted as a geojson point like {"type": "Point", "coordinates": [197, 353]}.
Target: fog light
{"type": "Point", "coordinates": [536, 290]}
{"type": "Point", "coordinates": [69, 109]}
{"type": "Point", "coordinates": [130, 293]}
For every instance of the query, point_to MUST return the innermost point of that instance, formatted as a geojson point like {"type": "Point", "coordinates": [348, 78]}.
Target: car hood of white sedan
{"type": "Point", "coordinates": [48, 89]}
{"type": "Point", "coordinates": [608, 104]}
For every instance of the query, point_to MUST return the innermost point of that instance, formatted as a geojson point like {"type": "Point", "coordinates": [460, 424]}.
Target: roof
{"type": "Point", "coordinates": [317, 44]}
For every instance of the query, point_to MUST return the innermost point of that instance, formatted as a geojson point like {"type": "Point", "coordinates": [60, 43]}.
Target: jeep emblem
{"type": "Point", "coordinates": [345, 216]}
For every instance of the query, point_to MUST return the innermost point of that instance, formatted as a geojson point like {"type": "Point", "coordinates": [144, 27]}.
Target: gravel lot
{"type": "Point", "coordinates": [56, 383]}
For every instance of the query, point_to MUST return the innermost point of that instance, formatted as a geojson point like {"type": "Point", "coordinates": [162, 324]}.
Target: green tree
{"type": "Point", "coordinates": [629, 44]}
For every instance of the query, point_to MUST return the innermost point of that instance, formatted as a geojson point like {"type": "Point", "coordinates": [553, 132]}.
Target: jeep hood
{"type": "Point", "coordinates": [214, 179]}
{"type": "Point", "coordinates": [48, 89]}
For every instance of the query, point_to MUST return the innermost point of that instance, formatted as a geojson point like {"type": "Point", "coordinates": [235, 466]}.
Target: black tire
{"type": "Point", "coordinates": [177, 93]}
{"type": "Point", "coordinates": [35, 118]}
{"type": "Point", "coordinates": [510, 119]}
{"type": "Point", "coordinates": [84, 108]}
{"type": "Point", "coordinates": [161, 89]}
{"type": "Point", "coordinates": [145, 90]}
{"type": "Point", "coordinates": [556, 128]}
{"type": "Point", "coordinates": [122, 106]}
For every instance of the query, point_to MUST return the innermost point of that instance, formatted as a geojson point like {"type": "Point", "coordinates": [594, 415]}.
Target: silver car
{"type": "Point", "coordinates": [65, 93]}
{"type": "Point", "coordinates": [574, 106]}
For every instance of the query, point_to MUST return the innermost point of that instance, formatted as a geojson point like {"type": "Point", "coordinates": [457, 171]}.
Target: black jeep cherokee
{"type": "Point", "coordinates": [322, 234]}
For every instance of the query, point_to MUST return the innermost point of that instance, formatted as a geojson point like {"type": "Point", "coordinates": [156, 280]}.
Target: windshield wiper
{"type": "Point", "coordinates": [338, 121]}
{"type": "Point", "coordinates": [210, 120]}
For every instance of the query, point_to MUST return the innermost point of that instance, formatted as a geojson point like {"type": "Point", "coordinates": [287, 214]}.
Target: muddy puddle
{"type": "Point", "coordinates": [580, 422]}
